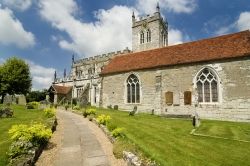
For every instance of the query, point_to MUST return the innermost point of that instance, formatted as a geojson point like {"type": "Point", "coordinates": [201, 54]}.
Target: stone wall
{"type": "Point", "coordinates": [86, 72]}
{"type": "Point", "coordinates": [234, 88]}
{"type": "Point", "coordinates": [156, 24]}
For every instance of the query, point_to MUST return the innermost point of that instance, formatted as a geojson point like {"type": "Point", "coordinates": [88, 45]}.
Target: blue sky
{"type": "Point", "coordinates": [46, 32]}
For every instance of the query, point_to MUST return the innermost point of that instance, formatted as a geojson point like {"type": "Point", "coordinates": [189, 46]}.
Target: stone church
{"type": "Point", "coordinates": [210, 77]}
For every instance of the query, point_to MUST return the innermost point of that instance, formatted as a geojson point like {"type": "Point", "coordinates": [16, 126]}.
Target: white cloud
{"type": "Point", "coordinates": [12, 31]}
{"type": "Point", "coordinates": [175, 36]}
{"type": "Point", "coordinates": [18, 4]}
{"type": "Point", "coordinates": [221, 27]}
{"type": "Point", "coordinates": [111, 31]}
{"type": "Point", "coordinates": [243, 22]}
{"type": "Point", "coordinates": [176, 6]}
{"type": "Point", "coordinates": [42, 77]}
{"type": "Point", "coordinates": [224, 29]}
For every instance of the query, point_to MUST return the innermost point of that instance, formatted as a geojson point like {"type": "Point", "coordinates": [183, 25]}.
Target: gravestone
{"type": "Point", "coordinates": [8, 99]}
{"type": "Point", "coordinates": [47, 98]}
{"type": "Point", "coordinates": [21, 100]}
{"type": "Point", "coordinates": [196, 120]}
{"type": "Point", "coordinates": [132, 113]}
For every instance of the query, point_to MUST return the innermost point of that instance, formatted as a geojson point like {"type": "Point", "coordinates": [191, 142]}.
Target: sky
{"type": "Point", "coordinates": [46, 33]}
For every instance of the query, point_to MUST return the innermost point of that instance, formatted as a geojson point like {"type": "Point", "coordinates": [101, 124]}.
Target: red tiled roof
{"type": "Point", "coordinates": [62, 89]}
{"type": "Point", "coordinates": [217, 48]}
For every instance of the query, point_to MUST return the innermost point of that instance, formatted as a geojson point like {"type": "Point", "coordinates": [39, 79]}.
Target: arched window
{"type": "Point", "coordinates": [207, 86]}
{"type": "Point", "coordinates": [148, 35]}
{"type": "Point", "coordinates": [141, 37]}
{"type": "Point", "coordinates": [133, 89]}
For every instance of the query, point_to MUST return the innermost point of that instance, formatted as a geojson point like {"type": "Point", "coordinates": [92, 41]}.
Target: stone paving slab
{"type": "Point", "coordinates": [80, 147]}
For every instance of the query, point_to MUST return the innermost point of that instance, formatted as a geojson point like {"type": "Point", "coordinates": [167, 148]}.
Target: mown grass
{"type": "Point", "coordinates": [21, 116]}
{"type": "Point", "coordinates": [169, 142]}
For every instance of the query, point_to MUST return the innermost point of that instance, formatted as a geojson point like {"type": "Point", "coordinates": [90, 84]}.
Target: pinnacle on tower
{"type": "Point", "coordinates": [158, 7]}
{"type": "Point", "coordinates": [64, 73]}
{"type": "Point", "coordinates": [55, 77]}
{"type": "Point", "coordinates": [133, 17]}
{"type": "Point", "coordinates": [73, 59]}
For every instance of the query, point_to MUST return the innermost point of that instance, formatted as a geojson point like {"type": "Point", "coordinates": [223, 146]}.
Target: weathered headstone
{"type": "Point", "coordinates": [47, 98]}
{"type": "Point", "coordinates": [132, 113]}
{"type": "Point", "coordinates": [196, 120]}
{"type": "Point", "coordinates": [8, 99]}
{"type": "Point", "coordinates": [21, 100]}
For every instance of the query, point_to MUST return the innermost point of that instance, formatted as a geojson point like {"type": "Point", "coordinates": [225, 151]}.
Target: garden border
{"type": "Point", "coordinates": [31, 160]}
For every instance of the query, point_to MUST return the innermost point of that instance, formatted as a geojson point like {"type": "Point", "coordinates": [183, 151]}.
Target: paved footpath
{"type": "Point", "coordinates": [80, 146]}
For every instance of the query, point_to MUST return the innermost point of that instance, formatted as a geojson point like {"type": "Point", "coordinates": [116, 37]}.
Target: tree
{"type": "Point", "coordinates": [36, 95]}
{"type": "Point", "coordinates": [15, 77]}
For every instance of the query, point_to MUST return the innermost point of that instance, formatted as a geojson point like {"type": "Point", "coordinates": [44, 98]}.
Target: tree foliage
{"type": "Point", "coordinates": [36, 96]}
{"type": "Point", "coordinates": [14, 77]}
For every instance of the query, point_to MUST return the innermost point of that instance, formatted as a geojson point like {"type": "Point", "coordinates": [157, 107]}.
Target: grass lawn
{"type": "Point", "coordinates": [21, 116]}
{"type": "Point", "coordinates": [169, 142]}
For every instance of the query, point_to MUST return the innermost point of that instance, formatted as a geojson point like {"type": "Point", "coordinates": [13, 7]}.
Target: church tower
{"type": "Point", "coordinates": [149, 32]}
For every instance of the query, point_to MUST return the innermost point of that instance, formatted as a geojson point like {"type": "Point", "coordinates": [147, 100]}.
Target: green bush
{"type": "Point", "coordinates": [111, 126]}
{"type": "Point", "coordinates": [91, 111]}
{"type": "Point", "coordinates": [118, 132]}
{"type": "Point", "coordinates": [35, 104]}
{"type": "Point", "coordinates": [77, 107]}
{"type": "Point", "coordinates": [84, 114]}
{"type": "Point", "coordinates": [66, 106]}
{"type": "Point", "coordinates": [103, 119]}
{"type": "Point", "coordinates": [49, 112]}
{"type": "Point", "coordinates": [36, 134]}
{"type": "Point", "coordinates": [29, 106]}
{"type": "Point", "coordinates": [26, 137]}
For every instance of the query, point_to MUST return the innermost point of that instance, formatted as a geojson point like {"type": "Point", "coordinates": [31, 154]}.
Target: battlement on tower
{"type": "Point", "coordinates": [148, 18]}
{"type": "Point", "coordinates": [102, 57]}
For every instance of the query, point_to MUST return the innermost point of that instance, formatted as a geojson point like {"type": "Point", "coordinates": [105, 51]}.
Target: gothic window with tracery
{"type": "Point", "coordinates": [133, 89]}
{"type": "Point", "coordinates": [207, 86]}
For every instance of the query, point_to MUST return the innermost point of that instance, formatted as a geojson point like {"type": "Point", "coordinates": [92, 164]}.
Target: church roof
{"type": "Point", "coordinates": [62, 89]}
{"type": "Point", "coordinates": [218, 48]}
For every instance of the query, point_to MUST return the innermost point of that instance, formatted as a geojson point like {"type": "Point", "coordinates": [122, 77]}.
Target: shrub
{"type": "Point", "coordinates": [50, 112]}
{"type": "Point", "coordinates": [74, 101]}
{"type": "Point", "coordinates": [85, 114]}
{"type": "Point", "coordinates": [103, 119]}
{"type": "Point", "coordinates": [36, 134]}
{"type": "Point", "coordinates": [25, 138]}
{"type": "Point", "coordinates": [66, 106]}
{"type": "Point", "coordinates": [118, 132]}
{"type": "Point", "coordinates": [91, 111]}
{"type": "Point", "coordinates": [35, 104]}
{"type": "Point", "coordinates": [77, 107]}
{"type": "Point", "coordinates": [6, 112]}
{"type": "Point", "coordinates": [111, 126]}
{"type": "Point", "coordinates": [29, 106]}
